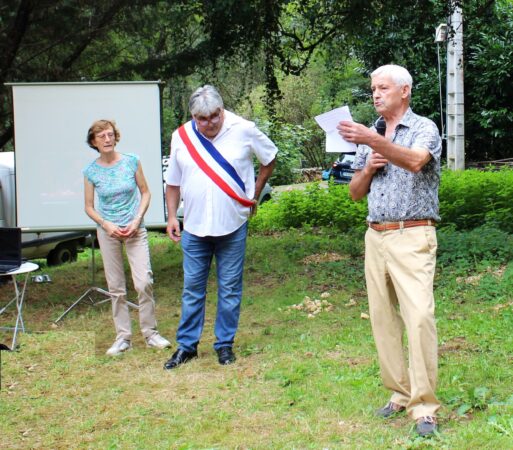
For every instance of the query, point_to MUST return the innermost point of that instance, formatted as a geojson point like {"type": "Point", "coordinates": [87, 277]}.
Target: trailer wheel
{"type": "Point", "coordinates": [65, 252]}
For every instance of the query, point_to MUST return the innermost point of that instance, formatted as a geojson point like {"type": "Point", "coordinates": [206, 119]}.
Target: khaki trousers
{"type": "Point", "coordinates": [399, 269]}
{"type": "Point", "coordinates": [138, 255]}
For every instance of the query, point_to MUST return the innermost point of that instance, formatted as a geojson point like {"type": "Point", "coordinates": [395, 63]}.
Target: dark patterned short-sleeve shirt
{"type": "Point", "coordinates": [397, 194]}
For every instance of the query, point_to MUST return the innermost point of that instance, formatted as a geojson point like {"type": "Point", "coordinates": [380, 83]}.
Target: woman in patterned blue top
{"type": "Point", "coordinates": [123, 198]}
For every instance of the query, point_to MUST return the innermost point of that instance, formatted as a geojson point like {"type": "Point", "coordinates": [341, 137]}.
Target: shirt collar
{"type": "Point", "coordinates": [407, 119]}
{"type": "Point", "coordinates": [229, 120]}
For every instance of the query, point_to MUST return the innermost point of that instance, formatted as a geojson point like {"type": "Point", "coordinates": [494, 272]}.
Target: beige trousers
{"type": "Point", "coordinates": [138, 254]}
{"type": "Point", "coordinates": [399, 269]}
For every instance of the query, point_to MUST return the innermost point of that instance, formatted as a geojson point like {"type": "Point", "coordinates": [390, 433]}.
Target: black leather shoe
{"type": "Point", "coordinates": [180, 357]}
{"type": "Point", "coordinates": [225, 356]}
{"type": "Point", "coordinates": [390, 410]}
{"type": "Point", "coordinates": [427, 426]}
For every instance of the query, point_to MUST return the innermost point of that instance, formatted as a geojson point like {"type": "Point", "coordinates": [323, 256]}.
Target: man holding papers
{"type": "Point", "coordinates": [398, 169]}
{"type": "Point", "coordinates": [211, 165]}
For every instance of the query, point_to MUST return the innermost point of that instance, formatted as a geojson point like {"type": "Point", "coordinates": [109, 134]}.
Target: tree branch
{"type": "Point", "coordinates": [15, 35]}
{"type": "Point", "coordinates": [93, 33]}
{"type": "Point", "coordinates": [6, 135]}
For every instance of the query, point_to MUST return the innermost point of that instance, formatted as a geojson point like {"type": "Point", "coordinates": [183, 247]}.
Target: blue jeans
{"type": "Point", "coordinates": [229, 251]}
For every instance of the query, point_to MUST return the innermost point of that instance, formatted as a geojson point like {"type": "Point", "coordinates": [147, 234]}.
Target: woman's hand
{"type": "Point", "coordinates": [131, 229]}
{"type": "Point", "coordinates": [111, 229]}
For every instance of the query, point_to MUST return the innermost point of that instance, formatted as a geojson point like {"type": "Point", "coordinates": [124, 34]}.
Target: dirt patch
{"type": "Point", "coordinates": [474, 279]}
{"type": "Point", "coordinates": [323, 258]}
{"type": "Point", "coordinates": [357, 360]}
{"type": "Point", "coordinates": [501, 306]}
{"type": "Point", "coordinates": [349, 360]}
{"type": "Point", "coordinates": [456, 345]}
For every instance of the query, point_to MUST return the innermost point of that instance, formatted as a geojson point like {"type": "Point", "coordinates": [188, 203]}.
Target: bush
{"type": "Point", "coordinates": [468, 249]}
{"type": "Point", "coordinates": [468, 199]}
{"type": "Point", "coordinates": [471, 198]}
{"type": "Point", "coordinates": [314, 206]}
{"type": "Point", "coordinates": [289, 139]}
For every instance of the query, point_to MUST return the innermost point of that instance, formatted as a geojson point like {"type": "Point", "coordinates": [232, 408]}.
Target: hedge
{"type": "Point", "coordinates": [468, 199]}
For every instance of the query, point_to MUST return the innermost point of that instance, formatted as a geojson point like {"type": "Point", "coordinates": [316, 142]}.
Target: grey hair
{"type": "Point", "coordinates": [205, 101]}
{"type": "Point", "coordinates": [399, 75]}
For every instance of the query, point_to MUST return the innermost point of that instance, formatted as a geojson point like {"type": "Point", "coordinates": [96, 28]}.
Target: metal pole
{"type": "Point", "coordinates": [455, 99]}
{"type": "Point", "coordinates": [440, 38]}
{"type": "Point", "coordinates": [88, 294]}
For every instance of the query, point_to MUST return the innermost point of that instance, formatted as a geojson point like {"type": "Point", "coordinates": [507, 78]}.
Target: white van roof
{"type": "Point", "coordinates": [7, 161]}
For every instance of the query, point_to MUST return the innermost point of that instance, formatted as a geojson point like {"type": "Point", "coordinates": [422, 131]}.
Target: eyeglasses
{"type": "Point", "coordinates": [204, 121]}
{"type": "Point", "coordinates": [104, 136]}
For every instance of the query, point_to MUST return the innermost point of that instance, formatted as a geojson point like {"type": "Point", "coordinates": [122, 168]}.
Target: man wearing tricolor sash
{"type": "Point", "coordinates": [211, 168]}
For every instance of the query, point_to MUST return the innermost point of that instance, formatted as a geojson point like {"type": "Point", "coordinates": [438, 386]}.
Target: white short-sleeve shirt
{"type": "Point", "coordinates": [209, 211]}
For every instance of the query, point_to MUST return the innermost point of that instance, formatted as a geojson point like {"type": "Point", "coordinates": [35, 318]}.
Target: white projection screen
{"type": "Point", "coordinates": [50, 127]}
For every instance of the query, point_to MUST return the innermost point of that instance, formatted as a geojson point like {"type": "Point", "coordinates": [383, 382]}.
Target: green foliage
{"type": "Point", "coordinates": [333, 46]}
{"type": "Point", "coordinates": [468, 249]}
{"type": "Point", "coordinates": [468, 200]}
{"type": "Point", "coordinates": [324, 85]}
{"type": "Point", "coordinates": [477, 398]}
{"type": "Point", "coordinates": [388, 35]}
{"type": "Point", "coordinates": [315, 206]}
{"type": "Point", "coordinates": [405, 36]}
{"type": "Point", "coordinates": [471, 198]}
{"type": "Point", "coordinates": [289, 139]}
{"type": "Point", "coordinates": [488, 87]}
{"type": "Point", "coordinates": [125, 40]}
{"type": "Point", "coordinates": [490, 289]}
{"type": "Point", "coordinates": [503, 425]}
{"type": "Point", "coordinates": [343, 82]}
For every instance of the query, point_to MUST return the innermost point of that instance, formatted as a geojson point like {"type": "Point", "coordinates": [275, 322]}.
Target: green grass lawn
{"type": "Point", "coordinates": [299, 381]}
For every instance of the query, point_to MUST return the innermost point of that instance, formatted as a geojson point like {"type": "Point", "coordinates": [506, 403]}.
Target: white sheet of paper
{"type": "Point", "coordinates": [328, 121]}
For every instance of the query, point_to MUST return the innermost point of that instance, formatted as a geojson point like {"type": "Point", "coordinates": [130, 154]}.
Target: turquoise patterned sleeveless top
{"type": "Point", "coordinates": [118, 194]}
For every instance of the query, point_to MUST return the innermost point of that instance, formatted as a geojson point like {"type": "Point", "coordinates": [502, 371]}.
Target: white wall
{"type": "Point", "coordinates": [50, 127]}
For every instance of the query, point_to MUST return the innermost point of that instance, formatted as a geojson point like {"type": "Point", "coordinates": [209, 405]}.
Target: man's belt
{"type": "Point", "coordinates": [388, 226]}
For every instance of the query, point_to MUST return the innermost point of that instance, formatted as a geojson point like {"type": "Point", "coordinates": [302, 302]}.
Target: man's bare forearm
{"type": "Point", "coordinates": [264, 174]}
{"type": "Point", "coordinates": [360, 184]}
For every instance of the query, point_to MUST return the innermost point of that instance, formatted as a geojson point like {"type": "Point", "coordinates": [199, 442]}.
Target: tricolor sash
{"type": "Point", "coordinates": [215, 166]}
